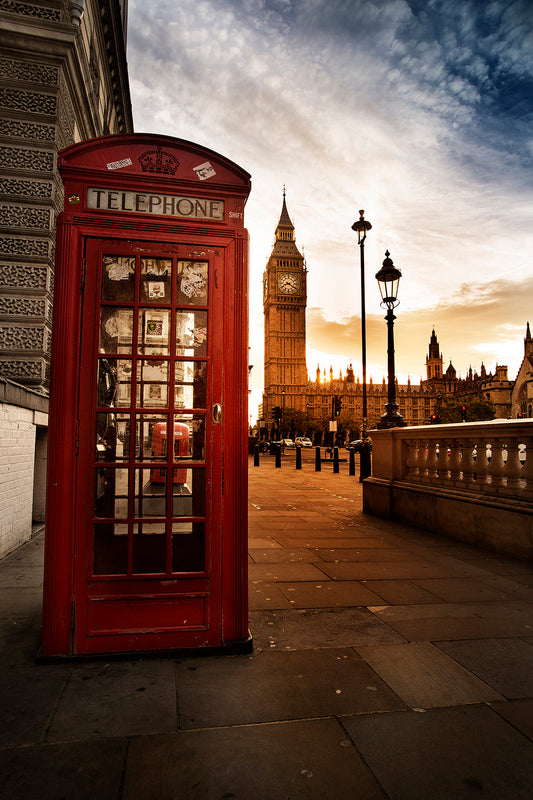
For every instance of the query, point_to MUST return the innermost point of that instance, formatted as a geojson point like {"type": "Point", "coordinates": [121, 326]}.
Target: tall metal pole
{"type": "Point", "coordinates": [388, 279]}
{"type": "Point", "coordinates": [361, 227]}
{"type": "Point", "coordinates": [392, 405]}
{"type": "Point", "coordinates": [363, 339]}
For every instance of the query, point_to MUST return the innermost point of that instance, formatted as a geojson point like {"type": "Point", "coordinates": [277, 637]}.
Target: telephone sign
{"type": "Point", "coordinates": [146, 541]}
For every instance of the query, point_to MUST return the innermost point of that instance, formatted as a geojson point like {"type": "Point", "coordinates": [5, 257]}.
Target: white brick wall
{"type": "Point", "coordinates": [17, 449]}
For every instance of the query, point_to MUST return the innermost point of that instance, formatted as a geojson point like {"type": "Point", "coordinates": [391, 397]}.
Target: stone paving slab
{"type": "Point", "coordinates": [337, 542]}
{"type": "Point", "coordinates": [281, 555]}
{"type": "Point", "coordinates": [272, 686]}
{"type": "Point", "coordinates": [264, 595]}
{"type": "Point", "coordinates": [20, 603]}
{"type": "Point", "coordinates": [443, 621]}
{"type": "Point", "coordinates": [264, 762]}
{"type": "Point", "coordinates": [328, 594]}
{"type": "Point", "coordinates": [401, 592]}
{"type": "Point", "coordinates": [356, 555]}
{"type": "Point", "coordinates": [303, 629]}
{"type": "Point", "coordinates": [20, 639]}
{"type": "Point", "coordinates": [284, 572]}
{"type": "Point", "coordinates": [72, 771]}
{"type": "Point", "coordinates": [505, 664]}
{"type": "Point", "coordinates": [424, 677]}
{"type": "Point", "coordinates": [29, 694]}
{"type": "Point", "coordinates": [116, 699]}
{"type": "Point", "coordinates": [390, 570]}
{"type": "Point", "coordinates": [463, 590]}
{"type": "Point", "coordinates": [31, 554]}
{"type": "Point", "coordinates": [445, 754]}
{"type": "Point", "coordinates": [257, 542]}
{"type": "Point", "coordinates": [17, 575]}
{"type": "Point", "coordinates": [519, 713]}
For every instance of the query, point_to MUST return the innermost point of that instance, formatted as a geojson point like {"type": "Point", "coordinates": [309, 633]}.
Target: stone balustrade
{"type": "Point", "coordinates": [473, 481]}
{"type": "Point", "coordinates": [476, 457]}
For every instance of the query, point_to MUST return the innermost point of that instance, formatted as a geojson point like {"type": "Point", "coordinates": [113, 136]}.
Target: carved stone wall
{"type": "Point", "coordinates": [40, 115]}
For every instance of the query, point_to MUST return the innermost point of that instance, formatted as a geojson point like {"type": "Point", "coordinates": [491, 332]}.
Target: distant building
{"type": "Point", "coordinates": [63, 79]}
{"type": "Point", "coordinates": [522, 391]}
{"type": "Point", "coordinates": [286, 382]}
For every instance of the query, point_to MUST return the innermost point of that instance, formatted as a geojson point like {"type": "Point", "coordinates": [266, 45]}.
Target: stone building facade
{"type": "Point", "coordinates": [63, 79]}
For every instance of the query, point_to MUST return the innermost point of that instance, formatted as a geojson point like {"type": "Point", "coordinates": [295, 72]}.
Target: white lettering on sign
{"type": "Point", "coordinates": [166, 205]}
{"type": "Point", "coordinates": [126, 162]}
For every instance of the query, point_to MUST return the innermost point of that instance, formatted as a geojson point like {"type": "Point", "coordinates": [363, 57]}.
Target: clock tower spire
{"type": "Point", "coordinates": [284, 304]}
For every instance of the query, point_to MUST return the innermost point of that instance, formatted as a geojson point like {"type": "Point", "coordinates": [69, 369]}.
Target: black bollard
{"type": "Point", "coordinates": [256, 455]}
{"type": "Point", "coordinates": [335, 459]}
{"type": "Point", "coordinates": [298, 458]}
{"type": "Point", "coordinates": [278, 456]}
{"type": "Point", "coordinates": [365, 469]}
{"type": "Point", "coordinates": [318, 464]}
{"type": "Point", "coordinates": [352, 461]}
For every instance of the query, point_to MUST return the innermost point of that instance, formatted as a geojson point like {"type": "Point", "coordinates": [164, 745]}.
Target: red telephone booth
{"type": "Point", "coordinates": [146, 540]}
{"type": "Point", "coordinates": [159, 447]}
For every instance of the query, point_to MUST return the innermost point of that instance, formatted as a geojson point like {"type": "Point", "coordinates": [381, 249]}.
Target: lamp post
{"type": "Point", "coordinates": [388, 279]}
{"type": "Point", "coordinates": [362, 226]}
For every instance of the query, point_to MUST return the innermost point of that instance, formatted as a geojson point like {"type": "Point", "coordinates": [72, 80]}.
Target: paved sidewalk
{"type": "Point", "coordinates": [387, 663]}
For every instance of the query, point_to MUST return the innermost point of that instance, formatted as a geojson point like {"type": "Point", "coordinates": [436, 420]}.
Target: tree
{"type": "Point", "coordinates": [477, 408]}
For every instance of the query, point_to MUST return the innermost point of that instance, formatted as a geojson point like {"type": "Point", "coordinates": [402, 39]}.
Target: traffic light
{"type": "Point", "coordinates": [276, 413]}
{"type": "Point", "coordinates": [463, 414]}
{"type": "Point", "coordinates": [435, 419]}
{"type": "Point", "coordinates": [338, 405]}
{"type": "Point", "coordinates": [519, 415]}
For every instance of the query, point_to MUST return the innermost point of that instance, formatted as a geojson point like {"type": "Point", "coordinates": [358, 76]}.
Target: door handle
{"type": "Point", "coordinates": [217, 413]}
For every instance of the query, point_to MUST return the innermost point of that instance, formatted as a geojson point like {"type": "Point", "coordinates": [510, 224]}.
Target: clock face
{"type": "Point", "coordinates": [288, 282]}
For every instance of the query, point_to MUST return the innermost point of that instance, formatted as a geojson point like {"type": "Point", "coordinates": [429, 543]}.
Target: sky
{"type": "Point", "coordinates": [420, 112]}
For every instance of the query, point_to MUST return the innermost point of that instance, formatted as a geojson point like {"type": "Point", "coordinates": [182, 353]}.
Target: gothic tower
{"type": "Point", "coordinates": [284, 304]}
{"type": "Point", "coordinates": [434, 358]}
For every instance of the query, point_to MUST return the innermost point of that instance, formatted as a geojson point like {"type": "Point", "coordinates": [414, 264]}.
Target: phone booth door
{"type": "Point", "coordinates": [149, 483]}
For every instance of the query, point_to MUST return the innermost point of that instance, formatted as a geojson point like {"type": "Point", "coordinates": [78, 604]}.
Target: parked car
{"type": "Point", "coordinates": [303, 441]}
{"type": "Point", "coordinates": [285, 443]}
{"type": "Point", "coordinates": [357, 445]}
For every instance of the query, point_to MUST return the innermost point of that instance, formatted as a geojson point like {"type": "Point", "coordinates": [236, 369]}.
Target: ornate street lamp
{"type": "Point", "coordinates": [388, 279]}
{"type": "Point", "coordinates": [362, 226]}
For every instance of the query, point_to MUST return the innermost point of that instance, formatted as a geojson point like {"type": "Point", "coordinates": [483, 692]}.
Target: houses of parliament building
{"type": "Point", "coordinates": [286, 381]}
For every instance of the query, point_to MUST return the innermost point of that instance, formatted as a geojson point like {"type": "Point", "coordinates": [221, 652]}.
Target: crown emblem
{"type": "Point", "coordinates": [159, 161]}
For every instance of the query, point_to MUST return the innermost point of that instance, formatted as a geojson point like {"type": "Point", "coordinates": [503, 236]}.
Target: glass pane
{"type": "Point", "coordinates": [152, 383]}
{"type": "Point", "coordinates": [188, 493]}
{"type": "Point", "coordinates": [192, 283]}
{"type": "Point", "coordinates": [188, 547]}
{"type": "Point", "coordinates": [113, 382]}
{"type": "Point", "coordinates": [191, 333]}
{"type": "Point", "coordinates": [156, 280]}
{"type": "Point", "coordinates": [151, 437]}
{"type": "Point", "coordinates": [190, 389]}
{"type": "Point", "coordinates": [110, 549]}
{"type": "Point", "coordinates": [154, 331]}
{"type": "Point", "coordinates": [116, 330]}
{"type": "Point", "coordinates": [149, 547]}
{"type": "Point", "coordinates": [111, 492]}
{"type": "Point", "coordinates": [112, 437]}
{"type": "Point", "coordinates": [190, 443]}
{"type": "Point", "coordinates": [150, 493]}
{"type": "Point", "coordinates": [118, 278]}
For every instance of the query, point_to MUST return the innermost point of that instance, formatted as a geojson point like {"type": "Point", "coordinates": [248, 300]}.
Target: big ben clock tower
{"type": "Point", "coordinates": [284, 304]}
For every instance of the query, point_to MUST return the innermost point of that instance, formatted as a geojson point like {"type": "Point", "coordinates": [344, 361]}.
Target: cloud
{"type": "Point", "coordinates": [418, 111]}
{"type": "Point", "coordinates": [472, 325]}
